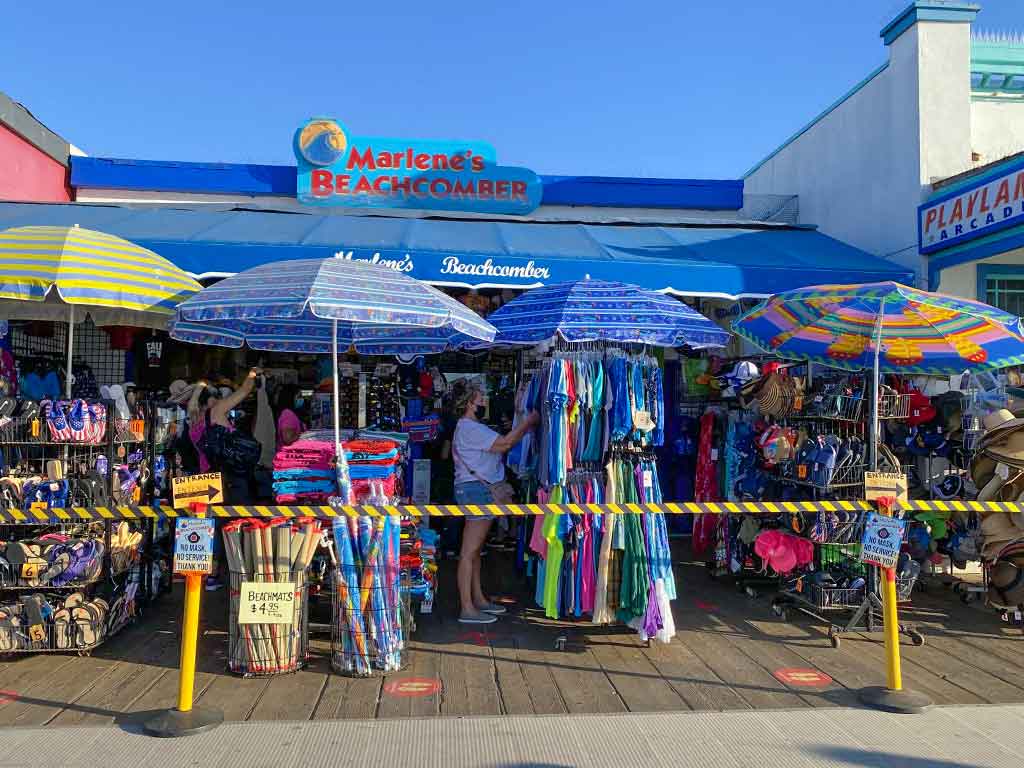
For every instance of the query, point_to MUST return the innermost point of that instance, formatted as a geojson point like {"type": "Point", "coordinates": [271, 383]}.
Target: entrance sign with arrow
{"type": "Point", "coordinates": [201, 489]}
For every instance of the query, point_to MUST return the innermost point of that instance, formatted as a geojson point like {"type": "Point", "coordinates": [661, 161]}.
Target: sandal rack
{"type": "Point", "coordinates": [67, 588]}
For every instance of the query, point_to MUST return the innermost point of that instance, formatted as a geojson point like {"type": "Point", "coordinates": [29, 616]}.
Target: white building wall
{"type": "Point", "coordinates": [861, 169]}
{"type": "Point", "coordinates": [997, 129]}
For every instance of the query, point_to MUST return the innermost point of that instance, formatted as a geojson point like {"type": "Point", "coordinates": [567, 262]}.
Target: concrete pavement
{"type": "Point", "coordinates": [946, 737]}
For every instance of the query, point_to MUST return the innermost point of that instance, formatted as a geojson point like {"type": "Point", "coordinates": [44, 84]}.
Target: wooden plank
{"type": "Point", "coordinates": [423, 662]}
{"type": "Point", "coordinates": [692, 679]}
{"type": "Point", "coordinates": [545, 696]}
{"type": "Point", "coordinates": [292, 696]}
{"type": "Point", "coordinates": [751, 681]}
{"type": "Point", "coordinates": [43, 698]}
{"type": "Point", "coordinates": [581, 682]}
{"type": "Point", "coordinates": [467, 674]}
{"type": "Point", "coordinates": [513, 688]}
{"type": "Point", "coordinates": [962, 674]}
{"type": "Point", "coordinates": [638, 682]}
{"type": "Point", "coordinates": [348, 697]}
{"type": "Point", "coordinates": [108, 698]}
{"type": "Point", "coordinates": [980, 656]}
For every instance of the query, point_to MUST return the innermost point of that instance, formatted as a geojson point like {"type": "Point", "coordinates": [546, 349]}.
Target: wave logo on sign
{"type": "Point", "coordinates": [338, 168]}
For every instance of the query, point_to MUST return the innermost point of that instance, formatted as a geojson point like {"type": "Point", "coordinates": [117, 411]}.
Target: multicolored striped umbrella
{"type": "Point", "coordinates": [598, 310]}
{"type": "Point", "coordinates": [919, 332]}
{"type": "Point", "coordinates": [44, 270]}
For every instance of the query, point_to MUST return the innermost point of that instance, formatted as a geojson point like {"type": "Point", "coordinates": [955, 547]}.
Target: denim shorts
{"type": "Point", "coordinates": [473, 492]}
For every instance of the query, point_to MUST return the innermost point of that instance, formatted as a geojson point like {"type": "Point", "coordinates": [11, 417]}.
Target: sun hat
{"type": "Point", "coordinates": [997, 529]}
{"type": "Point", "coordinates": [998, 424]}
{"type": "Point", "coordinates": [1008, 450]}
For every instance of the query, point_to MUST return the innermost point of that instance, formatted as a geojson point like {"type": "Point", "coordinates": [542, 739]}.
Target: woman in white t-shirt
{"type": "Point", "coordinates": [478, 454]}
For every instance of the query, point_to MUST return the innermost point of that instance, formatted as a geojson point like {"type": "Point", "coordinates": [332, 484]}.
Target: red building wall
{"type": "Point", "coordinates": [27, 174]}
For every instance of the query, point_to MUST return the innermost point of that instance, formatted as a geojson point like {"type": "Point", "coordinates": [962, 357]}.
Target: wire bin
{"type": "Point", "coordinates": [370, 636]}
{"type": "Point", "coordinates": [278, 645]}
{"type": "Point", "coordinates": [893, 406]}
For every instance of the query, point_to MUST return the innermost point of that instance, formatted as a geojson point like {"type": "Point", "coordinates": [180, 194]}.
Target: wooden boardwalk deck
{"type": "Point", "coordinates": [727, 652]}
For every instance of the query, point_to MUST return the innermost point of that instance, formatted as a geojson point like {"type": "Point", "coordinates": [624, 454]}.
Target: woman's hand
{"type": "Point", "coordinates": [254, 372]}
{"type": "Point", "coordinates": [532, 418]}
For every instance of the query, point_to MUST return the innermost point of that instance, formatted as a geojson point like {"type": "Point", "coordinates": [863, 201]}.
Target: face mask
{"type": "Point", "coordinates": [481, 410]}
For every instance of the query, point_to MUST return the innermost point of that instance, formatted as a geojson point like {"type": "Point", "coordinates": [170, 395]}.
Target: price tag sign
{"type": "Point", "coordinates": [883, 537]}
{"type": "Point", "coordinates": [193, 545]}
{"type": "Point", "coordinates": [261, 602]}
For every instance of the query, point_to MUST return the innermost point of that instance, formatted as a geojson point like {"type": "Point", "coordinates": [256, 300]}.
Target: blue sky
{"type": "Point", "coordinates": [649, 88]}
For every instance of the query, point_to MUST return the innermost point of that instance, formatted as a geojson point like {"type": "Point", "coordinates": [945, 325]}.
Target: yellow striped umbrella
{"type": "Point", "coordinates": [46, 272]}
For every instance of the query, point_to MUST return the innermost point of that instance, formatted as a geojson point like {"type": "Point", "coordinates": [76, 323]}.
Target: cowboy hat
{"type": "Point", "coordinates": [998, 423]}
{"type": "Point", "coordinates": [1009, 450]}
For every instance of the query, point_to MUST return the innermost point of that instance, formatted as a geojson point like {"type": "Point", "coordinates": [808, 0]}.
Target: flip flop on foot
{"type": "Point", "coordinates": [493, 609]}
{"type": "Point", "coordinates": [477, 618]}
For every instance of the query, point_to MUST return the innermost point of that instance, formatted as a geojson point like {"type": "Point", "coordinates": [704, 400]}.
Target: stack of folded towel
{"type": "Point", "coordinates": [304, 473]}
{"type": "Point", "coordinates": [373, 464]}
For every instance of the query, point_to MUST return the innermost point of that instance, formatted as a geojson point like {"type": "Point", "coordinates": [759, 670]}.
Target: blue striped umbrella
{"type": "Point", "coordinates": [597, 310]}
{"type": "Point", "coordinates": [325, 305]}
{"type": "Point", "coordinates": [350, 292]}
{"type": "Point", "coordinates": [309, 334]}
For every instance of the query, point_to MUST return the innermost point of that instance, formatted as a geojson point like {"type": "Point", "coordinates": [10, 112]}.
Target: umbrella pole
{"type": "Point", "coordinates": [875, 389]}
{"type": "Point", "coordinates": [71, 349]}
{"type": "Point", "coordinates": [334, 376]}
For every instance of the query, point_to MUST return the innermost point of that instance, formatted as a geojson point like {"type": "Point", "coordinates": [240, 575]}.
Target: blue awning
{"type": "Point", "coordinates": [728, 262]}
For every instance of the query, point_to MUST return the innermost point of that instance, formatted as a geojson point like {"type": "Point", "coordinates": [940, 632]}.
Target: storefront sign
{"type": "Point", "coordinates": [451, 268]}
{"type": "Point", "coordinates": [338, 168]}
{"type": "Point", "coordinates": [262, 602]}
{"type": "Point", "coordinates": [972, 212]}
{"type": "Point", "coordinates": [193, 545]}
{"type": "Point", "coordinates": [883, 537]}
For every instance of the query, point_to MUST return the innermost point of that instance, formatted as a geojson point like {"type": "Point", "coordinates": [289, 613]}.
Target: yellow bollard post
{"type": "Point", "coordinates": [187, 719]}
{"type": "Point", "coordinates": [892, 698]}
{"type": "Point", "coordinates": [189, 638]}
{"type": "Point", "coordinates": [894, 676]}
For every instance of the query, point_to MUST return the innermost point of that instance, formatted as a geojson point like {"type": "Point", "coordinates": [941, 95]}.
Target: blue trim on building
{"type": "Point", "coordinates": [986, 271]}
{"type": "Point", "coordinates": [243, 179]}
{"type": "Point", "coordinates": [1007, 241]}
{"type": "Point", "coordinates": [928, 10]}
{"type": "Point", "coordinates": [829, 109]}
{"type": "Point", "coordinates": [612, 191]}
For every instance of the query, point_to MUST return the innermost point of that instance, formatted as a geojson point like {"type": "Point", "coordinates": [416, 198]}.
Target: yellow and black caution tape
{"type": "Point", "coordinates": [955, 505]}
{"type": "Point", "coordinates": [85, 514]}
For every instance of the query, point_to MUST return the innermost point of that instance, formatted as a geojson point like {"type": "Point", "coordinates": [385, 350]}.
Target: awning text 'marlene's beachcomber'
{"type": "Point", "coordinates": [336, 168]}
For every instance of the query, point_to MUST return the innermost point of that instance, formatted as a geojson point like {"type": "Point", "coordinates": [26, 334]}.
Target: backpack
{"type": "Point", "coordinates": [186, 450]}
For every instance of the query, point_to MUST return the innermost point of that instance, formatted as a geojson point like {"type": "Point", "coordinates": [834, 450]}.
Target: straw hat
{"type": "Point", "coordinates": [998, 423]}
{"type": "Point", "coordinates": [1012, 489]}
{"type": "Point", "coordinates": [997, 529]}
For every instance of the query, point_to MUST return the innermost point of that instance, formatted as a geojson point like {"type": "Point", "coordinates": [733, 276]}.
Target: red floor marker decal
{"type": "Point", "coordinates": [408, 687]}
{"type": "Point", "coordinates": [476, 638]}
{"type": "Point", "coordinates": [8, 696]}
{"type": "Point", "coordinates": [802, 678]}
{"type": "Point", "coordinates": [709, 607]}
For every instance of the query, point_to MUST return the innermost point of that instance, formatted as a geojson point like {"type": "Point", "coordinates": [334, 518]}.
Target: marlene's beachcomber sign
{"type": "Point", "coordinates": [337, 168]}
{"type": "Point", "coordinates": [982, 208]}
